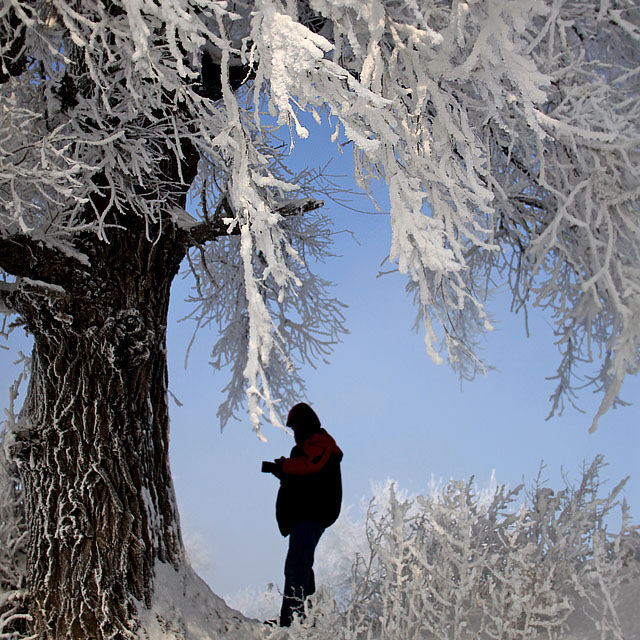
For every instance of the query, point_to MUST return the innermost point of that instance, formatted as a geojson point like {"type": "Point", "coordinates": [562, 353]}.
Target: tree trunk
{"type": "Point", "coordinates": [94, 449]}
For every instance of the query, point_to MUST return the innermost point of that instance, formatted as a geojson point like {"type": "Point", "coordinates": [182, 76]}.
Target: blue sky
{"type": "Point", "coordinates": [394, 413]}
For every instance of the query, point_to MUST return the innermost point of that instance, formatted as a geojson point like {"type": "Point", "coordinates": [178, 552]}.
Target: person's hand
{"type": "Point", "coordinates": [274, 467]}
{"type": "Point", "coordinates": [268, 467]}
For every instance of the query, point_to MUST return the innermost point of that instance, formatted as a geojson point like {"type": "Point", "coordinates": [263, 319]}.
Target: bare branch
{"type": "Point", "coordinates": [296, 207]}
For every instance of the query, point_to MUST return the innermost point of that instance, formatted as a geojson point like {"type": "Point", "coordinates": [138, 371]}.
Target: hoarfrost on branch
{"type": "Point", "coordinates": [507, 134]}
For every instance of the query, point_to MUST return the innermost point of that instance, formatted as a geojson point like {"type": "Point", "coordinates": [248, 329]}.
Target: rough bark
{"type": "Point", "coordinates": [24, 257]}
{"type": "Point", "coordinates": [93, 449]}
{"type": "Point", "coordinates": [93, 442]}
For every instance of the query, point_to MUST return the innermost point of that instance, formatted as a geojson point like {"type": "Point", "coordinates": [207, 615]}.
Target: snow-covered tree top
{"type": "Point", "coordinates": [508, 134]}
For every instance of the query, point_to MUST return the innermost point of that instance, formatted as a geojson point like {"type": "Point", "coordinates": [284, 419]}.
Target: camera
{"type": "Point", "coordinates": [268, 467]}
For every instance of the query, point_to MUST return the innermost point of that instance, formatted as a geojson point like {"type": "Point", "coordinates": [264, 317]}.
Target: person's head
{"type": "Point", "coordinates": [303, 420]}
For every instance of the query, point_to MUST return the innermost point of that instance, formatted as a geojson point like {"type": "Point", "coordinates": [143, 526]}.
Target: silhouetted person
{"type": "Point", "coordinates": [308, 502]}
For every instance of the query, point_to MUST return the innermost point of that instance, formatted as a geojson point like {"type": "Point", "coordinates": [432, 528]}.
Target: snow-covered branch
{"type": "Point", "coordinates": [222, 223]}
{"type": "Point", "coordinates": [507, 134]}
{"type": "Point", "coordinates": [502, 130]}
{"type": "Point", "coordinates": [305, 326]}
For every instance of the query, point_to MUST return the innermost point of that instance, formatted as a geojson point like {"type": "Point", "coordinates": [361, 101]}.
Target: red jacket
{"type": "Point", "coordinates": [311, 483]}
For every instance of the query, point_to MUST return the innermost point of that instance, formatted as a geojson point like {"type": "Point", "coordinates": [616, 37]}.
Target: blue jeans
{"type": "Point", "coordinates": [299, 581]}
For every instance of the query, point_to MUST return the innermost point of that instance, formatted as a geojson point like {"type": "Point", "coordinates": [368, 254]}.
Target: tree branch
{"type": "Point", "coordinates": [211, 77]}
{"type": "Point", "coordinates": [215, 227]}
{"type": "Point", "coordinates": [530, 202]}
{"type": "Point", "coordinates": [12, 44]}
{"type": "Point", "coordinates": [239, 73]}
{"type": "Point", "coordinates": [297, 207]}
{"type": "Point", "coordinates": [24, 257]}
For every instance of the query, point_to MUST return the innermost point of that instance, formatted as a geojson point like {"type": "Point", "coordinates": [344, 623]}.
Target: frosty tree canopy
{"type": "Point", "coordinates": [507, 133]}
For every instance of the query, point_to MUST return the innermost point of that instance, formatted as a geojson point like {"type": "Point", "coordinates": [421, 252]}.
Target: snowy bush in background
{"type": "Point", "coordinates": [347, 538]}
{"type": "Point", "coordinates": [454, 565]}
{"type": "Point", "coordinates": [256, 602]}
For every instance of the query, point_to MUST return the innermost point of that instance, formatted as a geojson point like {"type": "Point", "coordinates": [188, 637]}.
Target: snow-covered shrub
{"type": "Point", "coordinates": [13, 538]}
{"type": "Point", "coordinates": [347, 538]}
{"type": "Point", "coordinates": [453, 566]}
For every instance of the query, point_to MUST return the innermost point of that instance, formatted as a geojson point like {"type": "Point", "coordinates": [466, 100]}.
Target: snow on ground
{"type": "Point", "coordinates": [185, 608]}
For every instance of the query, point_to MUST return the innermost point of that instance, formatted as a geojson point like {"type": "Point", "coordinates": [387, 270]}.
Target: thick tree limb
{"type": "Point", "coordinates": [216, 226]}
{"type": "Point", "coordinates": [24, 257]}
